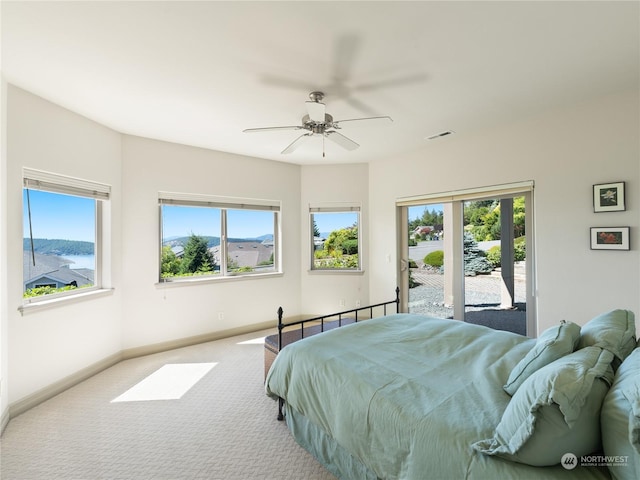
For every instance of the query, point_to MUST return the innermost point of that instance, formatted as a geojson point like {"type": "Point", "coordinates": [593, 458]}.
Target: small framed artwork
{"type": "Point", "coordinates": [609, 238]}
{"type": "Point", "coordinates": [608, 197]}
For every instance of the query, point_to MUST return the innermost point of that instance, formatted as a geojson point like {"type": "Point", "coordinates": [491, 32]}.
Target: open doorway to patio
{"type": "Point", "coordinates": [469, 256]}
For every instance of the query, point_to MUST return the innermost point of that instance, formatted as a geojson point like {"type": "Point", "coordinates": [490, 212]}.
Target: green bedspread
{"type": "Point", "coordinates": [404, 396]}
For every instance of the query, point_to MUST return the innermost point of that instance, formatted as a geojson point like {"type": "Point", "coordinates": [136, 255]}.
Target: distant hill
{"type": "Point", "coordinates": [48, 246]}
{"type": "Point", "coordinates": [214, 241]}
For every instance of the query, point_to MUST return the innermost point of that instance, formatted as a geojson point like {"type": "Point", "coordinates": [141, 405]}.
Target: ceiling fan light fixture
{"type": "Point", "coordinates": [318, 122]}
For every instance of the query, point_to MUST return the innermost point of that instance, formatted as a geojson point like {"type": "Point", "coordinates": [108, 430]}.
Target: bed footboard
{"type": "Point", "coordinates": [317, 325]}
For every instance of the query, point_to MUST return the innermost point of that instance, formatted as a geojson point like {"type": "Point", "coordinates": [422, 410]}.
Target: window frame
{"type": "Point", "coordinates": [50, 182]}
{"type": "Point", "coordinates": [335, 208]}
{"type": "Point", "coordinates": [223, 204]}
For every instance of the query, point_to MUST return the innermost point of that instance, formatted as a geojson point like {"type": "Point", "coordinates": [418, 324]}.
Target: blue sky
{"type": "Point", "coordinates": [416, 212]}
{"type": "Point", "coordinates": [56, 216]}
{"type": "Point", "coordinates": [182, 221]}
{"type": "Point", "coordinates": [328, 222]}
{"type": "Point", "coordinates": [72, 218]}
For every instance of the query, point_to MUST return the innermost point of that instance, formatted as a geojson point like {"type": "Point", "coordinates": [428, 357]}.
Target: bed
{"type": "Point", "coordinates": [411, 397]}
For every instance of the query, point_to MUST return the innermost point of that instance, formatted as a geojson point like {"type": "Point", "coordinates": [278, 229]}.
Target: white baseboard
{"type": "Point", "coordinates": [60, 386]}
{"type": "Point", "coordinates": [4, 420]}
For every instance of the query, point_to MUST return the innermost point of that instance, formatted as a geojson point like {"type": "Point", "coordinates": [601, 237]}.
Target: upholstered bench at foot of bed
{"type": "Point", "coordinates": [293, 335]}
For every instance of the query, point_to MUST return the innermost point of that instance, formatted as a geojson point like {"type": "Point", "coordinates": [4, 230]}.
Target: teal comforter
{"type": "Point", "coordinates": [404, 397]}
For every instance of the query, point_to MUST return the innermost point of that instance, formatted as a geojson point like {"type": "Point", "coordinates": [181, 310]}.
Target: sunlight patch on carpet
{"type": "Point", "coordinates": [170, 382]}
{"type": "Point", "coordinates": [253, 341]}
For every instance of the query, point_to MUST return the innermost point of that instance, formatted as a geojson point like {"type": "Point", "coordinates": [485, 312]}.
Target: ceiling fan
{"type": "Point", "coordinates": [319, 122]}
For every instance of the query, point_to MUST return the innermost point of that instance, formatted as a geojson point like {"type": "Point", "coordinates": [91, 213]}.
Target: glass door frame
{"type": "Point", "coordinates": [453, 203]}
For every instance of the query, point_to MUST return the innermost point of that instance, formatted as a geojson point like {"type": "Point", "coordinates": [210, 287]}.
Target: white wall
{"type": "Point", "coordinates": [4, 325]}
{"type": "Point", "coordinates": [48, 345]}
{"type": "Point", "coordinates": [322, 291]}
{"type": "Point", "coordinates": [565, 152]}
{"type": "Point", "coordinates": [154, 314]}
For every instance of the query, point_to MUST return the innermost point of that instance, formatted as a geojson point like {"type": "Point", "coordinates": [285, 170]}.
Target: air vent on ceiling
{"type": "Point", "coordinates": [439, 135]}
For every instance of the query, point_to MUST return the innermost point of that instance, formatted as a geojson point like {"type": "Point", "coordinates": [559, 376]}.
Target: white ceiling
{"type": "Point", "coordinates": [198, 73]}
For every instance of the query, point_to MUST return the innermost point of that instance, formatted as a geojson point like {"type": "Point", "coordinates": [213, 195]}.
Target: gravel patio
{"type": "Point", "coordinates": [482, 297]}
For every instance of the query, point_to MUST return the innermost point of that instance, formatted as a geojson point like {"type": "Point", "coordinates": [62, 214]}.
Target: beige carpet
{"type": "Point", "coordinates": [223, 427]}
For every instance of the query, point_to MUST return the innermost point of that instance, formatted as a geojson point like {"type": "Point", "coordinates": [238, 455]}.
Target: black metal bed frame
{"type": "Point", "coordinates": [282, 325]}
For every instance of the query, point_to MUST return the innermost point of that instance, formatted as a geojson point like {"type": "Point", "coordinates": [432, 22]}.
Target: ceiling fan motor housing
{"type": "Point", "coordinates": [317, 127]}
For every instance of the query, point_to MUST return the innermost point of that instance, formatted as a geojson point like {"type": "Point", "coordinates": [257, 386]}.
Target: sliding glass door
{"type": "Point", "coordinates": [471, 257]}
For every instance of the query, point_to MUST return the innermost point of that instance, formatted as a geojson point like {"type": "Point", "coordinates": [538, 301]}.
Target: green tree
{"type": "Point", "coordinates": [197, 258]}
{"type": "Point", "coordinates": [342, 241]}
{"type": "Point", "coordinates": [170, 263]}
{"type": "Point", "coordinates": [482, 219]}
{"type": "Point", "coordinates": [316, 230]}
{"type": "Point", "coordinates": [475, 260]}
{"type": "Point", "coordinates": [429, 218]}
{"type": "Point", "coordinates": [518, 217]}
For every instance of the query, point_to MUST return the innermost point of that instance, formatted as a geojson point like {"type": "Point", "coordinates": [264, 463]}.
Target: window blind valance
{"type": "Point", "coordinates": [201, 200]}
{"type": "Point", "coordinates": [52, 182]}
{"type": "Point", "coordinates": [493, 191]}
{"type": "Point", "coordinates": [336, 207]}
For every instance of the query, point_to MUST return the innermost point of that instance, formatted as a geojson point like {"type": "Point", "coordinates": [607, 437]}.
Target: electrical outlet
{"type": "Point", "coordinates": [357, 303]}
{"type": "Point", "coordinates": [220, 315]}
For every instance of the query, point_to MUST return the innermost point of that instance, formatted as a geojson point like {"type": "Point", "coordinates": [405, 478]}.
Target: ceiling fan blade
{"type": "Point", "coordinates": [346, 52]}
{"type": "Point", "coordinates": [341, 140]}
{"type": "Point", "coordinates": [296, 143]}
{"type": "Point", "coordinates": [383, 119]}
{"type": "Point", "coordinates": [361, 106]}
{"type": "Point", "coordinates": [288, 83]}
{"type": "Point", "coordinates": [316, 111]}
{"type": "Point", "coordinates": [394, 82]}
{"type": "Point", "coordinates": [267, 129]}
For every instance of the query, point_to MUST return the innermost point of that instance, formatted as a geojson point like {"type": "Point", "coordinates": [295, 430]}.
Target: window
{"type": "Point", "coordinates": [212, 237]}
{"type": "Point", "coordinates": [335, 239]}
{"type": "Point", "coordinates": [62, 225]}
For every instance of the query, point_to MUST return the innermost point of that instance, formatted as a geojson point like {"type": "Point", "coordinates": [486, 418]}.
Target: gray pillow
{"type": "Point", "coordinates": [555, 411]}
{"type": "Point", "coordinates": [620, 419]}
{"type": "Point", "coordinates": [614, 330]}
{"type": "Point", "coordinates": [553, 343]}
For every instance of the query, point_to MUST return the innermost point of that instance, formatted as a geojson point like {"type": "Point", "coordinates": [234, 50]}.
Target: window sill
{"type": "Point", "coordinates": [60, 301]}
{"type": "Point", "coordinates": [335, 271]}
{"type": "Point", "coordinates": [183, 282]}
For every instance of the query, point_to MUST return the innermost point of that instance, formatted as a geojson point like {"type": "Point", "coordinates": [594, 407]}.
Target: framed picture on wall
{"type": "Point", "coordinates": [609, 238]}
{"type": "Point", "coordinates": [608, 197]}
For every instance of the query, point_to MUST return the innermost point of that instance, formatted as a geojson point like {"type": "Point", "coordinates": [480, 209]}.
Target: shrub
{"type": "Point", "coordinates": [350, 246]}
{"type": "Point", "coordinates": [477, 265]}
{"type": "Point", "coordinates": [412, 281]}
{"type": "Point", "coordinates": [474, 259]}
{"type": "Point", "coordinates": [519, 252]}
{"type": "Point", "coordinates": [435, 258]}
{"type": "Point", "coordinates": [493, 256]}
{"type": "Point", "coordinates": [412, 242]}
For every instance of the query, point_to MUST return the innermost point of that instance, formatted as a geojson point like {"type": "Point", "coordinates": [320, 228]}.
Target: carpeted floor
{"type": "Point", "coordinates": [224, 427]}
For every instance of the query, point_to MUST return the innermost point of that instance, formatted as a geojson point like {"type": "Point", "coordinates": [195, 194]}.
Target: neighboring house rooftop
{"type": "Point", "coordinates": [43, 263]}
{"type": "Point", "coordinates": [245, 254]}
{"type": "Point", "coordinates": [52, 269]}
